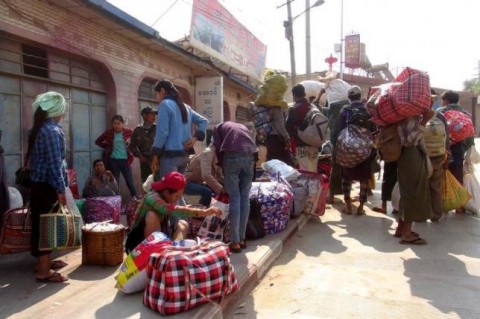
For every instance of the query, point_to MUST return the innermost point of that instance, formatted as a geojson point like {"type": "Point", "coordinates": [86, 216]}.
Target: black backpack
{"type": "Point", "coordinates": [360, 116]}
{"type": "Point", "coordinates": [255, 227]}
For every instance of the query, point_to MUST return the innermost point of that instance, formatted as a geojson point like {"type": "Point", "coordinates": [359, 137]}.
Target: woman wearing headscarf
{"type": "Point", "coordinates": [159, 205]}
{"type": "Point", "coordinates": [173, 137]}
{"type": "Point", "coordinates": [46, 150]}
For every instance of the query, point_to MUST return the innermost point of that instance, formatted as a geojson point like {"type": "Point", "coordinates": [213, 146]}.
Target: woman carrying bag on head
{"type": "Point", "coordinates": [46, 149]}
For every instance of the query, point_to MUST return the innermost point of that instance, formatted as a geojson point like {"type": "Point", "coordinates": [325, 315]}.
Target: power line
{"type": "Point", "coordinates": [164, 13]}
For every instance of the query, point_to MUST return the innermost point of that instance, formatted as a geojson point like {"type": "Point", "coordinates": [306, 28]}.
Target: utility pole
{"type": "Point", "coordinates": [289, 34]}
{"type": "Point", "coordinates": [342, 40]}
{"type": "Point", "coordinates": [308, 68]}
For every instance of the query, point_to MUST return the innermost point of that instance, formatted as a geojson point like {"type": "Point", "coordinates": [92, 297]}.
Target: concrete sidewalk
{"type": "Point", "coordinates": [91, 292]}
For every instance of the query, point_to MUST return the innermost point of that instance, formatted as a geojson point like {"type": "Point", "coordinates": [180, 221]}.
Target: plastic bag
{"type": "Point", "coordinates": [275, 166]}
{"type": "Point", "coordinates": [213, 227]}
{"type": "Point", "coordinates": [472, 156]}
{"type": "Point", "coordinates": [454, 194]}
{"type": "Point", "coordinates": [396, 197]}
{"type": "Point", "coordinates": [132, 276]}
{"type": "Point", "coordinates": [271, 91]}
{"type": "Point", "coordinates": [337, 91]}
{"type": "Point", "coordinates": [16, 200]}
{"type": "Point", "coordinates": [470, 182]}
{"type": "Point", "coordinates": [312, 88]}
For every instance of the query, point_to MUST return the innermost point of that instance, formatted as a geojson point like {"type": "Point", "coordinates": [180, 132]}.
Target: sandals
{"type": "Point", "coordinates": [56, 265]}
{"type": "Point", "coordinates": [379, 210]}
{"type": "Point", "coordinates": [235, 248]}
{"type": "Point", "coordinates": [53, 278]}
{"type": "Point", "coordinates": [243, 244]}
{"type": "Point", "coordinates": [416, 241]}
{"type": "Point", "coordinates": [346, 211]}
{"type": "Point", "coordinates": [360, 212]}
{"type": "Point", "coordinates": [399, 235]}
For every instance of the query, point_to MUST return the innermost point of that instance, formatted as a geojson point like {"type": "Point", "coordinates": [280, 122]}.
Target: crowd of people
{"type": "Point", "coordinates": [227, 165]}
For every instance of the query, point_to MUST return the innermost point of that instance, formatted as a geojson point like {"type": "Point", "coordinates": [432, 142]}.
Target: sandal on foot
{"type": "Point", "coordinates": [399, 235]}
{"type": "Point", "coordinates": [57, 264]}
{"type": "Point", "coordinates": [379, 210]}
{"type": "Point", "coordinates": [243, 244]}
{"type": "Point", "coordinates": [346, 211]}
{"type": "Point", "coordinates": [416, 241]}
{"type": "Point", "coordinates": [55, 277]}
{"type": "Point", "coordinates": [361, 212]}
{"type": "Point", "coordinates": [235, 248]}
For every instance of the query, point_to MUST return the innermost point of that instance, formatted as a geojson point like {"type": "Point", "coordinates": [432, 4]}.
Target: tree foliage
{"type": "Point", "coordinates": [472, 85]}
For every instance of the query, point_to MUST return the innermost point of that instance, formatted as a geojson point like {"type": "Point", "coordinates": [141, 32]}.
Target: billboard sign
{"type": "Point", "coordinates": [218, 33]}
{"type": "Point", "coordinates": [352, 51]}
{"type": "Point", "coordinates": [209, 99]}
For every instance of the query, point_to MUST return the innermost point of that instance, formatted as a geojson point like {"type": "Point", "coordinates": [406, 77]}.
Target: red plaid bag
{"type": "Point", "coordinates": [409, 95]}
{"type": "Point", "coordinates": [460, 126]}
{"type": "Point", "coordinates": [181, 278]}
{"type": "Point", "coordinates": [15, 231]}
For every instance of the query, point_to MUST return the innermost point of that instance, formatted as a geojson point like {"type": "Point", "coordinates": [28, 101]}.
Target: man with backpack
{"type": "Point", "coordinates": [356, 116]}
{"type": "Point", "coordinates": [305, 155]}
{"type": "Point", "coordinates": [460, 132]}
{"type": "Point", "coordinates": [459, 144]}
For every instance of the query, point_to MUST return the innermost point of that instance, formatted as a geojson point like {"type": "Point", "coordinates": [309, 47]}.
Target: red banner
{"type": "Point", "coordinates": [352, 51]}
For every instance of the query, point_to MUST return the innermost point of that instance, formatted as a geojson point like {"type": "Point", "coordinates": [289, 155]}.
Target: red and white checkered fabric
{"type": "Point", "coordinates": [460, 125]}
{"type": "Point", "coordinates": [181, 278]}
{"type": "Point", "coordinates": [409, 95]}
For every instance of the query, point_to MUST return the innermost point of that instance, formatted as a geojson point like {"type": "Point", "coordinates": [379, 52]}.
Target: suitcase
{"type": "Point", "coordinates": [16, 231]}
{"type": "Point", "coordinates": [276, 198]}
{"type": "Point", "coordinates": [317, 185]}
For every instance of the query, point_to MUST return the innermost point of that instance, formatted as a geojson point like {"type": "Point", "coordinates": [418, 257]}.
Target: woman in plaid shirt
{"type": "Point", "coordinates": [46, 152]}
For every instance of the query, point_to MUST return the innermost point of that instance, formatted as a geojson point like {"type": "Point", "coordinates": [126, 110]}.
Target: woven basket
{"type": "Point", "coordinates": [102, 248]}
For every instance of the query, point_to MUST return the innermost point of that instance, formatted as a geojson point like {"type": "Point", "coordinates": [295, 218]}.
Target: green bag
{"type": "Point", "coordinates": [82, 206]}
{"type": "Point", "coordinates": [60, 229]}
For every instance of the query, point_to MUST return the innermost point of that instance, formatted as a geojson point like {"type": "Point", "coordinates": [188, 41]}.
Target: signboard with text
{"type": "Point", "coordinates": [218, 33]}
{"type": "Point", "coordinates": [352, 51]}
{"type": "Point", "coordinates": [209, 99]}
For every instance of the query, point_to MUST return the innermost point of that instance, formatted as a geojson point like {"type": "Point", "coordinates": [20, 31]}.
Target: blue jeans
{"type": "Point", "coordinates": [173, 164]}
{"type": "Point", "coordinates": [201, 190]}
{"type": "Point", "coordinates": [238, 169]}
{"type": "Point", "coordinates": [121, 166]}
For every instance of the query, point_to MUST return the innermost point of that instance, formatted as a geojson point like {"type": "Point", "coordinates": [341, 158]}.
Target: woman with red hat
{"type": "Point", "coordinates": [159, 205]}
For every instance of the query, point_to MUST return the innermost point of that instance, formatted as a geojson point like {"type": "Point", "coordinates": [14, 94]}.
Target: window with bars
{"type": "Point", "coordinates": [35, 61]}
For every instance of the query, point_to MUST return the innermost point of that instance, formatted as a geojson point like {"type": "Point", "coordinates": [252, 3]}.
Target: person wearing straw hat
{"type": "Point", "coordinates": [46, 154]}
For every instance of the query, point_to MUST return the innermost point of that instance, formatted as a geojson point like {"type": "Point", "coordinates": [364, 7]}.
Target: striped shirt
{"type": "Point", "coordinates": [47, 162]}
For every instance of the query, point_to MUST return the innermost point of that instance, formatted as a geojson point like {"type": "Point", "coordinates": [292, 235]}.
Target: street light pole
{"type": "Point", "coordinates": [308, 67]}
{"type": "Point", "coordinates": [289, 35]}
{"type": "Point", "coordinates": [342, 40]}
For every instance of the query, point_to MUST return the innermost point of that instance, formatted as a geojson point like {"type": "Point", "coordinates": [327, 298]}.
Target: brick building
{"type": "Point", "coordinates": [103, 61]}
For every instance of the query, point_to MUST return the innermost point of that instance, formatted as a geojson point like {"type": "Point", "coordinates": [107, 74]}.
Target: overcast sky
{"type": "Point", "coordinates": [436, 36]}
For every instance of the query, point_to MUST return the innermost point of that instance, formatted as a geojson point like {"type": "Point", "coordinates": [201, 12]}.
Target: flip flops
{"type": "Point", "coordinates": [346, 211]}
{"type": "Point", "coordinates": [360, 212]}
{"type": "Point", "coordinates": [416, 241]}
{"type": "Point", "coordinates": [53, 278]}
{"type": "Point", "coordinates": [379, 210]}
{"type": "Point", "coordinates": [57, 264]}
{"type": "Point", "coordinates": [398, 235]}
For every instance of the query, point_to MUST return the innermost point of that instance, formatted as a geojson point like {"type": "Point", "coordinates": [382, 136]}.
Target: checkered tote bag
{"type": "Point", "coordinates": [409, 95]}
{"type": "Point", "coordinates": [181, 278]}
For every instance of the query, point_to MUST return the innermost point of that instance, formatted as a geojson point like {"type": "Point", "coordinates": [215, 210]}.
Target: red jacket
{"type": "Point", "coordinates": [105, 141]}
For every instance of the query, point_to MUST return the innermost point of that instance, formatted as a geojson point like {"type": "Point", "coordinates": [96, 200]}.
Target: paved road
{"type": "Point", "coordinates": [352, 267]}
